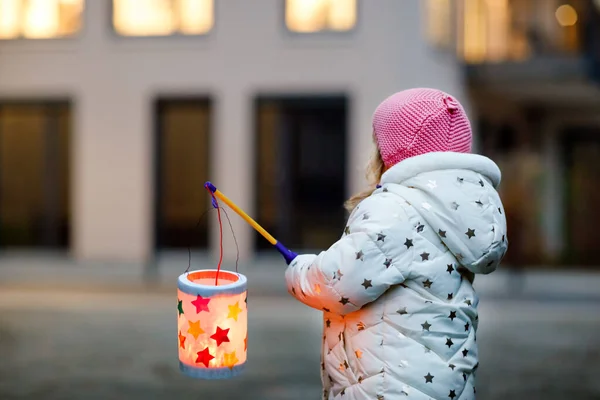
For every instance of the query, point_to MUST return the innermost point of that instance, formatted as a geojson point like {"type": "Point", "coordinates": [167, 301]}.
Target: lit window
{"type": "Point", "coordinates": [490, 31]}
{"type": "Point", "coordinates": [39, 19]}
{"type": "Point", "coordinates": [163, 17]}
{"type": "Point", "coordinates": [320, 15]}
{"type": "Point", "coordinates": [439, 18]}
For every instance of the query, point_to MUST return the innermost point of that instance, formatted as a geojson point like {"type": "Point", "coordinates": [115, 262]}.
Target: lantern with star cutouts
{"type": "Point", "coordinates": [212, 323]}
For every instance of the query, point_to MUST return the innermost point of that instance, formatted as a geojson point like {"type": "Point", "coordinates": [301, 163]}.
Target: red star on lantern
{"type": "Point", "coordinates": [181, 340]}
{"type": "Point", "coordinates": [221, 336]}
{"type": "Point", "coordinates": [204, 357]}
{"type": "Point", "coordinates": [201, 304]}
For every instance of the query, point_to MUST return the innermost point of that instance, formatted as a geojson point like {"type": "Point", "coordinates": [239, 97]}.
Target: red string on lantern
{"type": "Point", "coordinates": [216, 205]}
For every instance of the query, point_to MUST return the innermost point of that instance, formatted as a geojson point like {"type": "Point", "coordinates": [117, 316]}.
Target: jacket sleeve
{"type": "Point", "coordinates": [358, 268]}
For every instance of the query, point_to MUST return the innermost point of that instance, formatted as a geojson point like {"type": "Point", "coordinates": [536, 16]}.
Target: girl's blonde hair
{"type": "Point", "coordinates": [374, 171]}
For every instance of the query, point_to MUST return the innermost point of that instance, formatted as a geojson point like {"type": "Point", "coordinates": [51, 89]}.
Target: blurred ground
{"type": "Point", "coordinates": [73, 342]}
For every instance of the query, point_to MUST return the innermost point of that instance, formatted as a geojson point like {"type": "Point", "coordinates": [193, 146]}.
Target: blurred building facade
{"type": "Point", "coordinates": [533, 69]}
{"type": "Point", "coordinates": [114, 113]}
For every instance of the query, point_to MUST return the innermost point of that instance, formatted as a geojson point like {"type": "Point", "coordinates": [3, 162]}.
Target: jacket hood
{"type": "Point", "coordinates": [456, 195]}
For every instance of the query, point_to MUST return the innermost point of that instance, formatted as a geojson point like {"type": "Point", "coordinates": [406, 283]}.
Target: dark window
{"type": "Point", "coordinates": [182, 165]}
{"type": "Point", "coordinates": [301, 163]}
{"type": "Point", "coordinates": [34, 174]}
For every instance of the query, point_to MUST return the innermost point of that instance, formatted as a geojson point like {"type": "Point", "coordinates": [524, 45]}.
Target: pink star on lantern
{"type": "Point", "coordinates": [201, 304]}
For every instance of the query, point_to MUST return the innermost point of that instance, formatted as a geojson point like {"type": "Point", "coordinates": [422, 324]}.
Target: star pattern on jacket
{"type": "Point", "coordinates": [429, 378]}
{"type": "Point", "coordinates": [420, 227]}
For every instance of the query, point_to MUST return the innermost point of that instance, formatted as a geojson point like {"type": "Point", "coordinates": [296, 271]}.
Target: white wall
{"type": "Point", "coordinates": [113, 81]}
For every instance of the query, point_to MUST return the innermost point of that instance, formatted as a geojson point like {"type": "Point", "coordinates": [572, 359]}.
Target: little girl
{"type": "Point", "coordinates": [400, 312]}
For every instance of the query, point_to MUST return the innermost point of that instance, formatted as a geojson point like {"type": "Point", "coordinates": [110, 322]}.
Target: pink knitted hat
{"type": "Point", "coordinates": [419, 121]}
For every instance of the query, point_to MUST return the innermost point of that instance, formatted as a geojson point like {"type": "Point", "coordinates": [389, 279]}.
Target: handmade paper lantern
{"type": "Point", "coordinates": [212, 323]}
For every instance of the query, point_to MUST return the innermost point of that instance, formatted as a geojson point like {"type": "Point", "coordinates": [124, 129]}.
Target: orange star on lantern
{"type": "Point", "coordinates": [246, 343]}
{"type": "Point", "coordinates": [234, 310]}
{"type": "Point", "coordinates": [195, 329]}
{"type": "Point", "coordinates": [221, 336]}
{"type": "Point", "coordinates": [181, 340]}
{"type": "Point", "coordinates": [204, 357]}
{"type": "Point", "coordinates": [358, 353]}
{"type": "Point", "coordinates": [201, 304]}
{"type": "Point", "coordinates": [229, 360]}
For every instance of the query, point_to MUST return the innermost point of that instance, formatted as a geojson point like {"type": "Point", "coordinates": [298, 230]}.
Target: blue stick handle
{"type": "Point", "coordinates": [287, 254]}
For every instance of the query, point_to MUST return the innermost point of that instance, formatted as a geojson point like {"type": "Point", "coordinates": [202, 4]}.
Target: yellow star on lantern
{"type": "Point", "coordinates": [195, 329]}
{"type": "Point", "coordinates": [234, 310]}
{"type": "Point", "coordinates": [229, 359]}
{"type": "Point", "coordinates": [358, 353]}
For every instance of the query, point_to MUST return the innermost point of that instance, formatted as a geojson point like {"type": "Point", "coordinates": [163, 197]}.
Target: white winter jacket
{"type": "Point", "coordinates": [400, 312]}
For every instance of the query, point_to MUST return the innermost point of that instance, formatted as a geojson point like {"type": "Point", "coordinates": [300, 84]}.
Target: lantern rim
{"type": "Point", "coordinates": [236, 287]}
{"type": "Point", "coordinates": [211, 373]}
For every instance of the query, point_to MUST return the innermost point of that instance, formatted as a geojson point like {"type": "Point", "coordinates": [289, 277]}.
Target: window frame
{"type": "Point", "coordinates": [157, 101]}
{"type": "Point", "coordinates": [51, 103]}
{"type": "Point", "coordinates": [178, 36]}
{"type": "Point", "coordinates": [56, 39]}
{"type": "Point", "coordinates": [328, 33]}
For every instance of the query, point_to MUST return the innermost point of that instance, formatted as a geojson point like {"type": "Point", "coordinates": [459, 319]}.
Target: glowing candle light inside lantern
{"type": "Point", "coordinates": [212, 324]}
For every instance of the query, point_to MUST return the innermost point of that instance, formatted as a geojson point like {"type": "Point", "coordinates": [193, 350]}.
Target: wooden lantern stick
{"type": "Point", "coordinates": [287, 254]}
